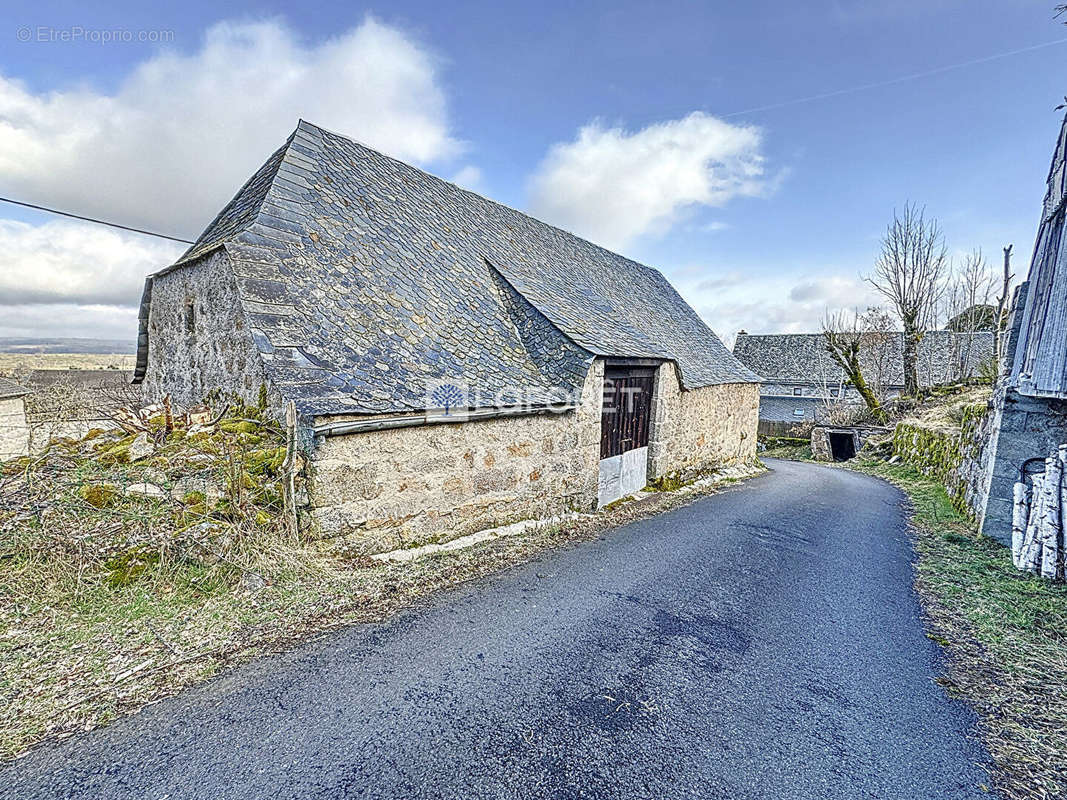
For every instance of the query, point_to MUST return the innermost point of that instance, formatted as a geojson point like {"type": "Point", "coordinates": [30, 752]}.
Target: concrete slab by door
{"type": "Point", "coordinates": [622, 475]}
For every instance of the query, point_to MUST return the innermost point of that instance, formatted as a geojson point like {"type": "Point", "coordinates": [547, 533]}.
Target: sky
{"type": "Point", "coordinates": [754, 152]}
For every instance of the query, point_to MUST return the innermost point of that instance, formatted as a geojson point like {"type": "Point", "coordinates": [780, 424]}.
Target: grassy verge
{"type": "Point", "coordinates": [1005, 633]}
{"type": "Point", "coordinates": [797, 452]}
{"type": "Point", "coordinates": [110, 601]}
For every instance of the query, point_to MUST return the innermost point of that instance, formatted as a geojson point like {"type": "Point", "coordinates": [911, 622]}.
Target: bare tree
{"type": "Point", "coordinates": [1001, 322]}
{"type": "Point", "coordinates": [910, 274]}
{"type": "Point", "coordinates": [843, 335]}
{"type": "Point", "coordinates": [967, 305]}
{"type": "Point", "coordinates": [877, 350]}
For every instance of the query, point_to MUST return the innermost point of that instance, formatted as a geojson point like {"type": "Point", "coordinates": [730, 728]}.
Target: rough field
{"type": "Point", "coordinates": [11, 363]}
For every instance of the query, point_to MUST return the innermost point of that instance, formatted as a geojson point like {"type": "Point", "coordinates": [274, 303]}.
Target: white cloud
{"type": "Point", "coordinates": [733, 300]}
{"type": "Point", "coordinates": [183, 131]}
{"type": "Point", "coordinates": [715, 226]}
{"type": "Point", "coordinates": [469, 177]}
{"type": "Point", "coordinates": [69, 279]}
{"type": "Point", "coordinates": [77, 263]}
{"type": "Point", "coordinates": [170, 146]}
{"type": "Point", "coordinates": [70, 320]}
{"type": "Point", "coordinates": [613, 185]}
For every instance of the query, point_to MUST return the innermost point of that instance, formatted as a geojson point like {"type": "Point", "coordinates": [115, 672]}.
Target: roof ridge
{"type": "Point", "coordinates": [266, 174]}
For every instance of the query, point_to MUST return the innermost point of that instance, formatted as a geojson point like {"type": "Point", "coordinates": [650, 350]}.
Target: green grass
{"type": "Point", "coordinates": [1005, 633]}
{"type": "Point", "coordinates": [795, 452]}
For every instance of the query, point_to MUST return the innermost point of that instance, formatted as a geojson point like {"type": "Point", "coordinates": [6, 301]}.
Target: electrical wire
{"type": "Point", "coordinates": [893, 81]}
{"type": "Point", "coordinates": [91, 219]}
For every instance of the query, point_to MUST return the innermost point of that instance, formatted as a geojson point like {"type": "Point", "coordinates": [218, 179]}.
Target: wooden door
{"type": "Point", "coordinates": [625, 418]}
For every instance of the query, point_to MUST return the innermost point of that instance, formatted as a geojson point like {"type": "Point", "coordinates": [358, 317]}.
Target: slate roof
{"type": "Point", "coordinates": [9, 389]}
{"type": "Point", "coordinates": [780, 409]}
{"type": "Point", "coordinates": [364, 278]}
{"type": "Point", "coordinates": [1039, 365]}
{"type": "Point", "coordinates": [801, 358]}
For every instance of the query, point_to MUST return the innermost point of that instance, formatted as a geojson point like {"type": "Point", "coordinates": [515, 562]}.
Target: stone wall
{"type": "Point", "coordinates": [198, 335]}
{"type": "Point", "coordinates": [697, 430]}
{"type": "Point", "coordinates": [1022, 428]}
{"type": "Point", "coordinates": [14, 432]}
{"type": "Point", "coordinates": [955, 457]}
{"type": "Point", "coordinates": [410, 486]}
{"type": "Point", "coordinates": [404, 487]}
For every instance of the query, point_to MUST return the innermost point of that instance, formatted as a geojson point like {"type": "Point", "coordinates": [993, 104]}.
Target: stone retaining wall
{"type": "Point", "coordinates": [957, 458]}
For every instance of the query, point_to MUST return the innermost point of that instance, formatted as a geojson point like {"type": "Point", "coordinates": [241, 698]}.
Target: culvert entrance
{"type": "Point", "coordinates": [842, 445]}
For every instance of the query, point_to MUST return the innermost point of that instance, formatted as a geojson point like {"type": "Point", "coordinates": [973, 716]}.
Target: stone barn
{"type": "Point", "coordinates": [14, 432]}
{"type": "Point", "coordinates": [454, 364]}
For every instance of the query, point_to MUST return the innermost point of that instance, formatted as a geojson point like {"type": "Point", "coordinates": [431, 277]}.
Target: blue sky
{"type": "Point", "coordinates": [616, 120]}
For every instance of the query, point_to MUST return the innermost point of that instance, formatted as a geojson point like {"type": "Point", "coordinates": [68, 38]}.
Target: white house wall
{"type": "Point", "coordinates": [14, 432]}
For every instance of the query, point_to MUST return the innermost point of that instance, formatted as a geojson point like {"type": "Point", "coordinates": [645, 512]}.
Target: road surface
{"type": "Point", "coordinates": [764, 642]}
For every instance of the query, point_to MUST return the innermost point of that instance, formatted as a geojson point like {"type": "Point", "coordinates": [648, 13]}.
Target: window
{"type": "Point", "coordinates": [190, 317]}
{"type": "Point", "coordinates": [834, 392]}
{"type": "Point", "coordinates": [798, 412]}
{"type": "Point", "coordinates": [796, 391]}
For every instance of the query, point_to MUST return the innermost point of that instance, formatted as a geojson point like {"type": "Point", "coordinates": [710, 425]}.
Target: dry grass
{"type": "Point", "coordinates": [944, 410]}
{"type": "Point", "coordinates": [785, 448]}
{"type": "Point", "coordinates": [103, 610]}
{"type": "Point", "coordinates": [12, 363]}
{"type": "Point", "coordinates": [1005, 633]}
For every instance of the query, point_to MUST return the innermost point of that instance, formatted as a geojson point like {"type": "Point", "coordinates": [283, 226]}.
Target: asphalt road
{"type": "Point", "coordinates": [764, 642]}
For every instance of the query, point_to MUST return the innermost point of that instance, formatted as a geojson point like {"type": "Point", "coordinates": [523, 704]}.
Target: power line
{"type": "Point", "coordinates": [893, 81]}
{"type": "Point", "coordinates": [784, 104]}
{"type": "Point", "coordinates": [97, 221]}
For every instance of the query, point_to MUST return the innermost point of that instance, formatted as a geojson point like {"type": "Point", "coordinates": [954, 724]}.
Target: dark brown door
{"type": "Point", "coordinates": [624, 421]}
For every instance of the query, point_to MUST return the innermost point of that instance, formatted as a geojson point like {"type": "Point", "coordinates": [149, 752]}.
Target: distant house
{"type": "Point", "coordinates": [801, 380]}
{"type": "Point", "coordinates": [1030, 405]}
{"type": "Point", "coordinates": [453, 363]}
{"type": "Point", "coordinates": [14, 432]}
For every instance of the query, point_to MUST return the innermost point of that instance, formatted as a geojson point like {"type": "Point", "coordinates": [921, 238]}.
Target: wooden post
{"type": "Point", "coordinates": [1020, 514]}
{"type": "Point", "coordinates": [1050, 519]}
{"type": "Point", "coordinates": [1061, 565]}
{"type": "Point", "coordinates": [289, 467]}
{"type": "Point", "coordinates": [1002, 313]}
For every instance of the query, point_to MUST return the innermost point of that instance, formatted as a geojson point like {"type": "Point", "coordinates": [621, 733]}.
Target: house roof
{"type": "Point", "coordinates": [9, 389]}
{"type": "Point", "coordinates": [802, 358]}
{"type": "Point", "coordinates": [365, 279]}
{"type": "Point", "coordinates": [1039, 365]}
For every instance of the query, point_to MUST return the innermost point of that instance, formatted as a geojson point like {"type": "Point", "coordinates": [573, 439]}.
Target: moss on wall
{"type": "Point", "coordinates": [948, 455]}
